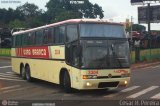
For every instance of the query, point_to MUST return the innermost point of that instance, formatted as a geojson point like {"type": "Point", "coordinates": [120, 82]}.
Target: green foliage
{"type": "Point", "coordinates": [17, 24]}
{"type": "Point", "coordinates": [66, 15]}
{"type": "Point", "coordinates": [137, 27]}
{"type": "Point", "coordinates": [29, 10]}
{"type": "Point", "coordinates": [59, 10]}
{"type": "Point", "coordinates": [32, 15]}
{"type": "Point", "coordinates": [29, 15]}
{"type": "Point", "coordinates": [33, 22]}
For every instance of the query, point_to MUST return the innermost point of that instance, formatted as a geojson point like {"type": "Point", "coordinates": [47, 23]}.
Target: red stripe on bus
{"type": "Point", "coordinates": [33, 52]}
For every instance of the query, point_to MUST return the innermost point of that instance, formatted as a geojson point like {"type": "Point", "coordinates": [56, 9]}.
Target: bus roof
{"type": "Point", "coordinates": [68, 21]}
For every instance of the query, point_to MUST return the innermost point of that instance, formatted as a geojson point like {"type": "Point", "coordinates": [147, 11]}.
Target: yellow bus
{"type": "Point", "coordinates": [76, 53]}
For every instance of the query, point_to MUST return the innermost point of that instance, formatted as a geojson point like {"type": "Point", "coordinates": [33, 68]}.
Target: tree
{"type": "Point", "coordinates": [137, 27]}
{"type": "Point", "coordinates": [29, 10]}
{"type": "Point", "coordinates": [65, 15]}
{"type": "Point", "coordinates": [32, 15]}
{"type": "Point", "coordinates": [29, 15]}
{"type": "Point", "coordinates": [17, 24]}
{"type": "Point", "coordinates": [3, 17]}
{"type": "Point", "coordinates": [58, 10]}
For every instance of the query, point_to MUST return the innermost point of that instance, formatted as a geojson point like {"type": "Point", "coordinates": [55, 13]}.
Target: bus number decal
{"type": "Point", "coordinates": [57, 51]}
{"type": "Point", "coordinates": [93, 72]}
{"type": "Point", "coordinates": [121, 71]}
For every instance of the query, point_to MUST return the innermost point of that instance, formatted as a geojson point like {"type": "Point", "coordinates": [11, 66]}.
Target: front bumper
{"type": "Point", "coordinates": [111, 83]}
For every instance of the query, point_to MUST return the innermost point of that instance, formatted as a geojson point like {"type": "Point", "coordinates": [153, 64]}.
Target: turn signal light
{"type": "Point", "coordinates": [89, 76]}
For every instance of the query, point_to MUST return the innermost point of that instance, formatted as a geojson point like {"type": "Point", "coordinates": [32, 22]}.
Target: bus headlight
{"type": "Point", "coordinates": [125, 82]}
{"type": "Point", "coordinates": [89, 76]}
{"type": "Point", "coordinates": [88, 84]}
{"type": "Point", "coordinates": [125, 75]}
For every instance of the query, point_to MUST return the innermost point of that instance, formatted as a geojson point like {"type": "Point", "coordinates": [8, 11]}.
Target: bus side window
{"type": "Point", "coordinates": [53, 35]}
{"type": "Point", "coordinates": [28, 39]}
{"type": "Point", "coordinates": [39, 37]}
{"type": "Point", "coordinates": [72, 33]}
{"type": "Point", "coordinates": [56, 35]}
{"type": "Point", "coordinates": [50, 35]}
{"type": "Point", "coordinates": [59, 34]}
{"type": "Point", "coordinates": [13, 41]}
{"type": "Point", "coordinates": [31, 38]}
{"type": "Point", "coordinates": [24, 39]}
{"type": "Point", "coordinates": [45, 40]}
{"type": "Point", "coordinates": [18, 41]}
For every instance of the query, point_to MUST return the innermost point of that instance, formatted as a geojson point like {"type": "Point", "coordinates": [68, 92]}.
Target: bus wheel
{"type": "Point", "coordinates": [67, 82]}
{"type": "Point", "coordinates": [23, 73]}
{"type": "Point", "coordinates": [28, 74]}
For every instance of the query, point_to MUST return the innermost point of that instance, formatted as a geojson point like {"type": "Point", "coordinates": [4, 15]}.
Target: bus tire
{"type": "Point", "coordinates": [28, 74]}
{"type": "Point", "coordinates": [23, 73]}
{"type": "Point", "coordinates": [67, 82]}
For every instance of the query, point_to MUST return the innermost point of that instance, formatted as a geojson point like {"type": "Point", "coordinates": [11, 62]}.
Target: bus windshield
{"type": "Point", "coordinates": [113, 55]}
{"type": "Point", "coordinates": [102, 30]}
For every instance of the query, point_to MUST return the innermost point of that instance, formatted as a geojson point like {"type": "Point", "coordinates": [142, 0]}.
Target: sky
{"type": "Point", "coordinates": [116, 10]}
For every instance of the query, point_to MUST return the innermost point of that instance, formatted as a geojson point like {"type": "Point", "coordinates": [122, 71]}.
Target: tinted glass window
{"type": "Point", "coordinates": [59, 34]}
{"type": "Point", "coordinates": [45, 40]}
{"type": "Point", "coordinates": [18, 41]}
{"type": "Point", "coordinates": [39, 37]}
{"type": "Point", "coordinates": [62, 34]}
{"type": "Point", "coordinates": [72, 33]}
{"type": "Point", "coordinates": [24, 39]}
{"type": "Point", "coordinates": [31, 38]}
{"type": "Point", "coordinates": [102, 30]}
{"type": "Point", "coordinates": [13, 41]}
{"type": "Point", "coordinates": [48, 36]}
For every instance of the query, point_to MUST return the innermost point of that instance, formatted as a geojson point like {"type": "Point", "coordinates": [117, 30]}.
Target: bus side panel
{"type": "Point", "coordinates": [14, 62]}
{"type": "Point", "coordinates": [47, 70]}
{"type": "Point", "coordinates": [15, 65]}
{"type": "Point", "coordinates": [75, 75]}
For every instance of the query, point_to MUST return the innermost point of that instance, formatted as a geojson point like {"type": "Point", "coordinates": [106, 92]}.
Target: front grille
{"type": "Point", "coordinates": [108, 84]}
{"type": "Point", "coordinates": [103, 77]}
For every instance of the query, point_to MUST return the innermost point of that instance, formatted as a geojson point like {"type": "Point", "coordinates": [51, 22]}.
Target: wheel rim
{"type": "Point", "coordinates": [64, 81]}
{"type": "Point", "coordinates": [27, 74]}
{"type": "Point", "coordinates": [23, 73]}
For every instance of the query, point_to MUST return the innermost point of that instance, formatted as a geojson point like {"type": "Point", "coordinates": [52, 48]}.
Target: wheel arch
{"type": "Point", "coordinates": [21, 66]}
{"type": "Point", "coordinates": [61, 74]}
{"type": "Point", "coordinates": [27, 65]}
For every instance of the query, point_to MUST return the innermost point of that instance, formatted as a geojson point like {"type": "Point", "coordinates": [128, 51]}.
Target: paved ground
{"type": "Point", "coordinates": [145, 85]}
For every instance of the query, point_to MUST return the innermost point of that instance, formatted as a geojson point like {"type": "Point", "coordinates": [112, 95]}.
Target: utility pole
{"type": "Point", "coordinates": [149, 19]}
{"type": "Point", "coordinates": [131, 27]}
{"type": "Point", "coordinates": [149, 26]}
